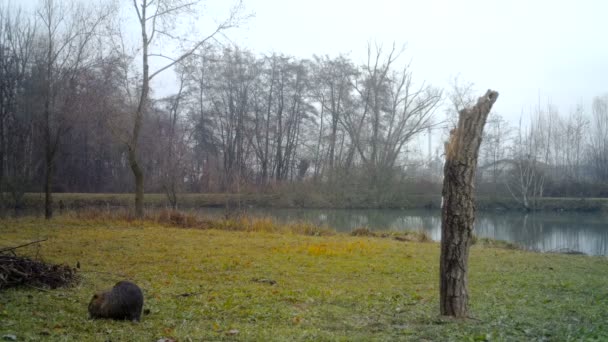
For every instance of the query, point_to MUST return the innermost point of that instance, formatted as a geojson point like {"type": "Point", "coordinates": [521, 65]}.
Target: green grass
{"type": "Point", "coordinates": [333, 287]}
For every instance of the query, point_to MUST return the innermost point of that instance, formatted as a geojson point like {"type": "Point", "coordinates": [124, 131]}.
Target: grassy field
{"type": "Point", "coordinates": [305, 200]}
{"type": "Point", "coordinates": [214, 281]}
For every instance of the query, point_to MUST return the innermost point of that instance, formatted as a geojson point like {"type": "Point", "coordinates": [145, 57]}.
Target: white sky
{"type": "Point", "coordinates": [557, 49]}
{"type": "Point", "coordinates": [529, 50]}
{"type": "Point", "coordinates": [518, 47]}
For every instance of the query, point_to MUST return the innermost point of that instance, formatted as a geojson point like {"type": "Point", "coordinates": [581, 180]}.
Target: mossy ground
{"type": "Point", "coordinates": [210, 284]}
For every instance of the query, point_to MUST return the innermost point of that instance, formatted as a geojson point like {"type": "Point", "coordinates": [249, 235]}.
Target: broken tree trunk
{"type": "Point", "coordinates": [458, 211]}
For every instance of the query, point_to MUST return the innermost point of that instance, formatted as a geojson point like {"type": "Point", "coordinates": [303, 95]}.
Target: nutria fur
{"type": "Point", "coordinates": [124, 301]}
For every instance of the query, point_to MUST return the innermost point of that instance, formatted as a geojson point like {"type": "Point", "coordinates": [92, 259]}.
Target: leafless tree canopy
{"type": "Point", "coordinates": [79, 113]}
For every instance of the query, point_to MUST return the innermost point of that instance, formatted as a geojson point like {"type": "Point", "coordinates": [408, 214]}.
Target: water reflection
{"type": "Point", "coordinates": [587, 233]}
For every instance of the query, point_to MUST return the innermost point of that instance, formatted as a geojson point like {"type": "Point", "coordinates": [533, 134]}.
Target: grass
{"type": "Point", "coordinates": [81, 200]}
{"type": "Point", "coordinates": [250, 280]}
{"type": "Point", "coordinates": [297, 199]}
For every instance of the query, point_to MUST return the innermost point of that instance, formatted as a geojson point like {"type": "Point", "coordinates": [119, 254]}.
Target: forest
{"type": "Point", "coordinates": [77, 110]}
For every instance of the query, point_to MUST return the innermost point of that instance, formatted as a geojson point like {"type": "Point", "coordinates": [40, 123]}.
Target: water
{"type": "Point", "coordinates": [583, 232]}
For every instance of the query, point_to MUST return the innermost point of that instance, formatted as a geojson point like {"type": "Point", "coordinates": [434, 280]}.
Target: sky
{"type": "Point", "coordinates": [529, 51]}
{"type": "Point", "coordinates": [555, 50]}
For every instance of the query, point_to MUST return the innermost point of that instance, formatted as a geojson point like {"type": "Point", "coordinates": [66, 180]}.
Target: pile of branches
{"type": "Point", "coordinates": [23, 271]}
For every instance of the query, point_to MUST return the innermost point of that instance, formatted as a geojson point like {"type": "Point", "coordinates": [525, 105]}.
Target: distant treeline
{"type": "Point", "coordinates": [241, 122]}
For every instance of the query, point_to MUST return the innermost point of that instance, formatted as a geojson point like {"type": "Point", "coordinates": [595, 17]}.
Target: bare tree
{"type": "Point", "coordinates": [392, 110]}
{"type": "Point", "coordinates": [458, 212]}
{"type": "Point", "coordinates": [69, 28]}
{"type": "Point", "coordinates": [598, 149]}
{"type": "Point", "coordinates": [493, 150]}
{"type": "Point", "coordinates": [233, 77]}
{"type": "Point", "coordinates": [460, 96]}
{"type": "Point", "coordinates": [156, 19]}
{"type": "Point", "coordinates": [17, 34]}
{"type": "Point", "coordinates": [564, 137]}
{"type": "Point", "coordinates": [577, 125]}
{"type": "Point", "coordinates": [527, 178]}
{"type": "Point", "coordinates": [200, 118]}
{"type": "Point", "coordinates": [264, 97]}
{"type": "Point", "coordinates": [335, 80]}
{"type": "Point", "coordinates": [172, 167]}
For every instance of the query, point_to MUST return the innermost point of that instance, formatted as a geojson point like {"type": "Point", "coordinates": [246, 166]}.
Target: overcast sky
{"type": "Point", "coordinates": [520, 48]}
{"type": "Point", "coordinates": [558, 49]}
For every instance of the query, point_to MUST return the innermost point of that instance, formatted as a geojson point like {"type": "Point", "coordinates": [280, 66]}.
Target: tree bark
{"type": "Point", "coordinates": [48, 188]}
{"type": "Point", "coordinates": [458, 211]}
{"type": "Point", "coordinates": [138, 173]}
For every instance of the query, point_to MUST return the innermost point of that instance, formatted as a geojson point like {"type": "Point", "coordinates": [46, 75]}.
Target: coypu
{"type": "Point", "coordinates": [124, 301]}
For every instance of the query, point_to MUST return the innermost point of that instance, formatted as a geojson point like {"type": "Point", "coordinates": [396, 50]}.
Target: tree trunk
{"type": "Point", "coordinates": [138, 173]}
{"type": "Point", "coordinates": [48, 194]}
{"type": "Point", "coordinates": [3, 154]}
{"type": "Point", "coordinates": [139, 183]}
{"type": "Point", "coordinates": [458, 212]}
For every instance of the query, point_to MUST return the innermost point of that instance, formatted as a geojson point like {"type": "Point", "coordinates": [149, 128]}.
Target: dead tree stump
{"type": "Point", "coordinates": [458, 211]}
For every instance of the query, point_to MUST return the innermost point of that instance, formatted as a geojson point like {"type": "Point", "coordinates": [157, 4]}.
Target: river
{"type": "Point", "coordinates": [544, 232]}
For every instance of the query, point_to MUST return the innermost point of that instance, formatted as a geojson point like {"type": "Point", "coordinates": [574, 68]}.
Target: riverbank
{"type": "Point", "coordinates": [304, 200]}
{"type": "Point", "coordinates": [243, 279]}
